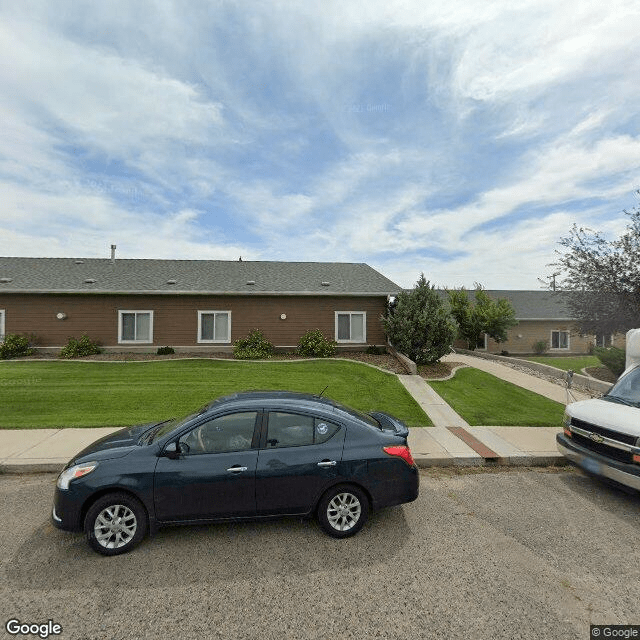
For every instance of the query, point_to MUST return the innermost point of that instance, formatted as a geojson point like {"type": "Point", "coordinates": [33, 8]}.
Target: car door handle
{"type": "Point", "coordinates": [237, 469]}
{"type": "Point", "coordinates": [327, 463]}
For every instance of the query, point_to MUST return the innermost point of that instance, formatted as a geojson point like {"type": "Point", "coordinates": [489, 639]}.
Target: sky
{"type": "Point", "coordinates": [460, 139]}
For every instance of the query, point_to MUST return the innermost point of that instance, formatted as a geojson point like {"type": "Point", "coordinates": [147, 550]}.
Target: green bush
{"type": "Point", "coordinates": [14, 346]}
{"type": "Point", "coordinates": [612, 358]}
{"type": "Point", "coordinates": [540, 347]}
{"type": "Point", "coordinates": [165, 351]}
{"type": "Point", "coordinates": [376, 351]}
{"type": "Point", "coordinates": [313, 344]}
{"type": "Point", "coordinates": [254, 347]}
{"type": "Point", "coordinates": [78, 348]}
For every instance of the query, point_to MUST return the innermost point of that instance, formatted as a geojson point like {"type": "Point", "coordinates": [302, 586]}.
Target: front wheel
{"type": "Point", "coordinates": [342, 511]}
{"type": "Point", "coordinates": [115, 524]}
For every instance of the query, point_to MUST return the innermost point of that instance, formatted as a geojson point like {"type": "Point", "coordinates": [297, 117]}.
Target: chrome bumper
{"type": "Point", "coordinates": [598, 467]}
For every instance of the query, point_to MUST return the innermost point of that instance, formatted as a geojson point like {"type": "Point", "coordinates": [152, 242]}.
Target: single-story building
{"type": "Point", "coordinates": [543, 315]}
{"type": "Point", "coordinates": [191, 305]}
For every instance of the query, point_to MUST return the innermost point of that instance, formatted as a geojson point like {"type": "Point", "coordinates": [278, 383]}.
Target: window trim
{"type": "Point", "coordinates": [364, 326]}
{"type": "Point", "coordinates": [201, 340]}
{"type": "Point", "coordinates": [485, 341]}
{"type": "Point", "coordinates": [135, 311]}
{"type": "Point", "coordinates": [2, 319]}
{"type": "Point", "coordinates": [568, 347]}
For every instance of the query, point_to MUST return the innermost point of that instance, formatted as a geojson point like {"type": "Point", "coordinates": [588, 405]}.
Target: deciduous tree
{"type": "Point", "coordinates": [602, 276]}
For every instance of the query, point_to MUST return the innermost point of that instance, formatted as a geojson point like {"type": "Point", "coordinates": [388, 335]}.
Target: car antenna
{"type": "Point", "coordinates": [320, 394]}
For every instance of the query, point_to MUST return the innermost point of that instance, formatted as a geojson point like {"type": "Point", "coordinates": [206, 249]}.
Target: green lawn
{"type": "Point", "coordinates": [482, 399]}
{"type": "Point", "coordinates": [576, 363]}
{"type": "Point", "coordinates": [90, 394]}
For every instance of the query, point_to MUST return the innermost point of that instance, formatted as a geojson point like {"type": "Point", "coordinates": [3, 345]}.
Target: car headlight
{"type": "Point", "coordinates": [72, 473]}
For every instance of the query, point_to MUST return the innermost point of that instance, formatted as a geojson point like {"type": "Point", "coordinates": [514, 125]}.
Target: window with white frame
{"type": "Point", "coordinates": [135, 326]}
{"type": "Point", "coordinates": [559, 339]}
{"type": "Point", "coordinates": [603, 340]}
{"type": "Point", "coordinates": [1, 325]}
{"type": "Point", "coordinates": [351, 326]}
{"type": "Point", "coordinates": [214, 326]}
{"type": "Point", "coordinates": [482, 342]}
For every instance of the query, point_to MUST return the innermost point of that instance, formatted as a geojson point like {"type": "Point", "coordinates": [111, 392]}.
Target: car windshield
{"type": "Point", "coordinates": [626, 390]}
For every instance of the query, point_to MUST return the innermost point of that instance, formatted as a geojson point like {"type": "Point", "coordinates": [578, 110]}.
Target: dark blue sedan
{"type": "Point", "coordinates": [248, 455]}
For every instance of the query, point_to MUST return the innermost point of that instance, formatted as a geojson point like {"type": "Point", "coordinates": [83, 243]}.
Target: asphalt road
{"type": "Point", "coordinates": [516, 554]}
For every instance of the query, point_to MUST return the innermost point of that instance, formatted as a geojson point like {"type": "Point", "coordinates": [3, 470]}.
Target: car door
{"type": "Point", "coordinates": [300, 457]}
{"type": "Point", "coordinates": [215, 472]}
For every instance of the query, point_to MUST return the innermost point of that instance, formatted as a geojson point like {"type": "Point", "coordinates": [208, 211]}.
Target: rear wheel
{"type": "Point", "coordinates": [342, 511]}
{"type": "Point", "coordinates": [115, 524]}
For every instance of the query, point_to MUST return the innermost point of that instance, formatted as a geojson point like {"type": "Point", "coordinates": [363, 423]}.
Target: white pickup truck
{"type": "Point", "coordinates": [602, 436]}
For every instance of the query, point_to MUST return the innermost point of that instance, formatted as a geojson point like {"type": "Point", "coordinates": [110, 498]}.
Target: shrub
{"type": "Point", "coordinates": [14, 346]}
{"type": "Point", "coordinates": [165, 351]}
{"type": "Point", "coordinates": [612, 358]}
{"type": "Point", "coordinates": [313, 344]}
{"type": "Point", "coordinates": [78, 348]}
{"type": "Point", "coordinates": [376, 351]}
{"type": "Point", "coordinates": [540, 347]}
{"type": "Point", "coordinates": [254, 347]}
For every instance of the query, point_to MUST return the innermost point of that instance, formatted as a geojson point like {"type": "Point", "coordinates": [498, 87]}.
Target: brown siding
{"type": "Point", "coordinates": [176, 318]}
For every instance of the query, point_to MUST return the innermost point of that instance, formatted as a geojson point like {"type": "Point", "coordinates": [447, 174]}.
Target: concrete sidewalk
{"type": "Point", "coordinates": [451, 441]}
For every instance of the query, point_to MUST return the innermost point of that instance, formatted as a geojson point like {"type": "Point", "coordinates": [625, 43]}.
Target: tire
{"type": "Point", "coordinates": [343, 511]}
{"type": "Point", "coordinates": [115, 524]}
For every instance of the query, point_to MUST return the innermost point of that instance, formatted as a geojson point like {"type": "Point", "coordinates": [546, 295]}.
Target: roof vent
{"type": "Point", "coordinates": [325, 283]}
{"type": "Point", "coordinates": [79, 261]}
{"type": "Point", "coordinates": [5, 280]}
{"type": "Point", "coordinates": [171, 281]}
{"type": "Point", "coordinates": [90, 280]}
{"type": "Point", "coordinates": [251, 281]}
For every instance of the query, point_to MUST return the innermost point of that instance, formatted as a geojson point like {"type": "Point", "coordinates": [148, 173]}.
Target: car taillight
{"type": "Point", "coordinates": [402, 452]}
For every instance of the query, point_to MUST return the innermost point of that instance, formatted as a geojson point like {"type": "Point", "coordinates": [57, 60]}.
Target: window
{"type": "Point", "coordinates": [294, 430]}
{"type": "Point", "coordinates": [482, 342]}
{"type": "Point", "coordinates": [351, 326]}
{"type": "Point", "coordinates": [603, 340]}
{"type": "Point", "coordinates": [214, 326]}
{"type": "Point", "coordinates": [559, 339]}
{"type": "Point", "coordinates": [1, 325]}
{"type": "Point", "coordinates": [135, 326]}
{"type": "Point", "coordinates": [233, 432]}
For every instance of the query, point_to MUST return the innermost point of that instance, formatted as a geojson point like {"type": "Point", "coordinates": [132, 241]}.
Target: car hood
{"type": "Point", "coordinates": [115, 445]}
{"type": "Point", "coordinates": [610, 415]}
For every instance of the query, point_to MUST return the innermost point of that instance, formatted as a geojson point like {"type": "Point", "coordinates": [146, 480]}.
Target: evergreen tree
{"type": "Point", "coordinates": [418, 325]}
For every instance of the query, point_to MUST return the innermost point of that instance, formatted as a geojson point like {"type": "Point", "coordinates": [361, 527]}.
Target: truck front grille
{"type": "Point", "coordinates": [617, 446]}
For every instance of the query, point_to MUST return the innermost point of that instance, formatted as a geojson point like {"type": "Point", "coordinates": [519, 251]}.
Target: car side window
{"type": "Point", "coordinates": [294, 430]}
{"type": "Point", "coordinates": [233, 432]}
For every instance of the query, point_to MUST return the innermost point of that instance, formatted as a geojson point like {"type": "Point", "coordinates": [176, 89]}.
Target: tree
{"type": "Point", "coordinates": [418, 324]}
{"type": "Point", "coordinates": [493, 317]}
{"type": "Point", "coordinates": [602, 277]}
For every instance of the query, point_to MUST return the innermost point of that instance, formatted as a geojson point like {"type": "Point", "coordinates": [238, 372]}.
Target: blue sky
{"type": "Point", "coordinates": [459, 139]}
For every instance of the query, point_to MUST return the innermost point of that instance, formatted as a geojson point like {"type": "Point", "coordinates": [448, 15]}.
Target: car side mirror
{"type": "Point", "coordinates": [172, 451]}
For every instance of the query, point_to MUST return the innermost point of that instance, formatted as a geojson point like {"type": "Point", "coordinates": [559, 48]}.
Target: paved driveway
{"type": "Point", "coordinates": [515, 554]}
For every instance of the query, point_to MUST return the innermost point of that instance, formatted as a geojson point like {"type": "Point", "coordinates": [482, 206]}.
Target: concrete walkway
{"type": "Point", "coordinates": [451, 441]}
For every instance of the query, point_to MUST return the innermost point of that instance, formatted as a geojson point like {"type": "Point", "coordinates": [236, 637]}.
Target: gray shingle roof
{"type": "Point", "coordinates": [533, 305]}
{"type": "Point", "coordinates": [75, 275]}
